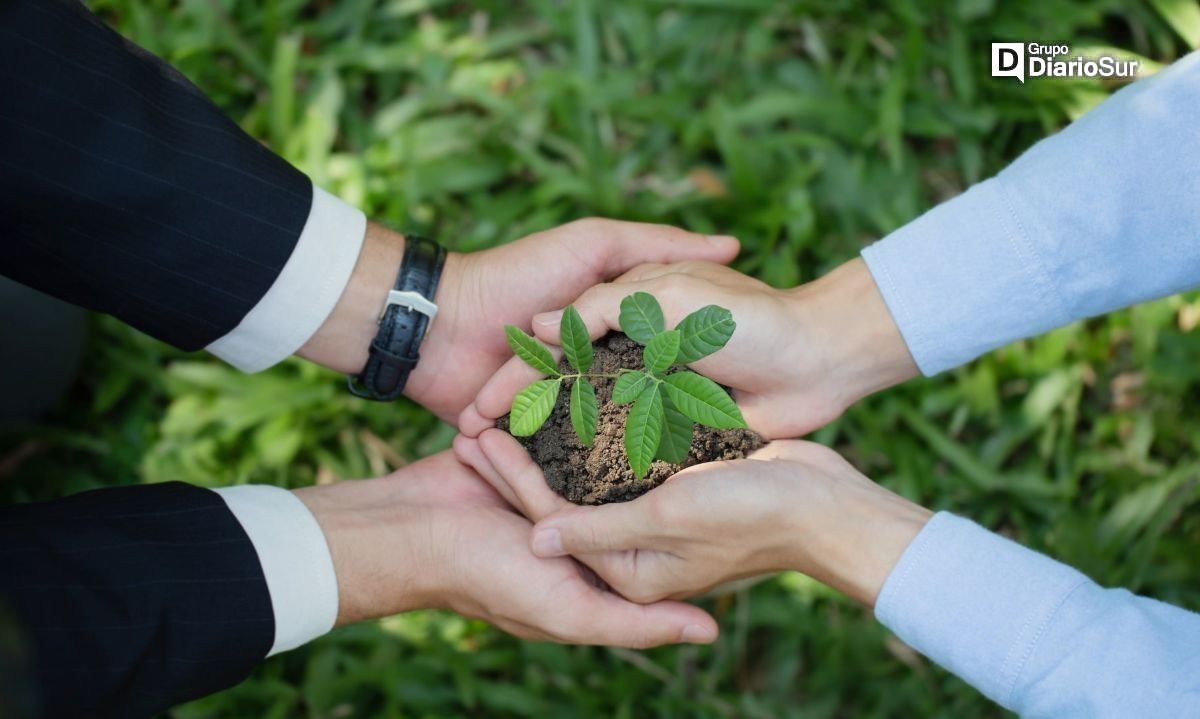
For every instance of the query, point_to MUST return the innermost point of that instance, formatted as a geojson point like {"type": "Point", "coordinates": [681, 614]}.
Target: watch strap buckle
{"type": "Point", "coordinates": [411, 301]}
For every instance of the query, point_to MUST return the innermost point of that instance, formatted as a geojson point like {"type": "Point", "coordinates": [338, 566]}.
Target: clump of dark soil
{"type": "Point", "coordinates": [601, 474]}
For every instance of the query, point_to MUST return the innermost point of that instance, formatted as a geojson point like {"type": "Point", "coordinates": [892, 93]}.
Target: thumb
{"type": "Point", "coordinates": [584, 530]}
{"type": "Point", "coordinates": [599, 307]}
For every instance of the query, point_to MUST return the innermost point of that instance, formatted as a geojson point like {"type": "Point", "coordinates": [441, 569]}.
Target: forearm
{"type": "Point", "coordinates": [1031, 633]}
{"type": "Point", "coordinates": [1100, 216]}
{"type": "Point", "coordinates": [356, 518]}
{"type": "Point", "coordinates": [845, 530]}
{"type": "Point", "coordinates": [320, 549]}
{"type": "Point", "coordinates": [134, 598]}
{"type": "Point", "coordinates": [1035, 635]}
{"type": "Point", "coordinates": [126, 191]}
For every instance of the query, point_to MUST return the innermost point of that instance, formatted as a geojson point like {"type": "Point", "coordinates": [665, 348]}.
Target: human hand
{"type": "Point", "coordinates": [435, 535]}
{"type": "Point", "coordinates": [480, 292]}
{"type": "Point", "coordinates": [797, 359]}
{"type": "Point", "coordinates": [792, 505]}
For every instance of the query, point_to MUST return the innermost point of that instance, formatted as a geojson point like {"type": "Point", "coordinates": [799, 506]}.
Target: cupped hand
{"type": "Point", "coordinates": [797, 359]}
{"type": "Point", "coordinates": [481, 292]}
{"type": "Point", "coordinates": [435, 535]}
{"type": "Point", "coordinates": [792, 505]}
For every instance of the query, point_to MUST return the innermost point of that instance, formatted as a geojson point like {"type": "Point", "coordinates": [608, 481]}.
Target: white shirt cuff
{"type": "Point", "coordinates": [295, 561]}
{"type": "Point", "coordinates": [304, 293]}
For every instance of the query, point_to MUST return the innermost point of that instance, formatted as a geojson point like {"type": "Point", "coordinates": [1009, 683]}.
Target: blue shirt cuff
{"type": "Point", "coordinates": [964, 278]}
{"type": "Point", "coordinates": [974, 602]}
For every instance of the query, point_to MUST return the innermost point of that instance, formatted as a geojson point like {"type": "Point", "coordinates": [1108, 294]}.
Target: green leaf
{"type": "Point", "coordinates": [628, 386]}
{"type": "Point", "coordinates": [532, 406]}
{"type": "Point", "coordinates": [534, 353]}
{"type": "Point", "coordinates": [583, 410]}
{"type": "Point", "coordinates": [703, 400]}
{"type": "Point", "coordinates": [703, 332]}
{"type": "Point", "coordinates": [643, 430]}
{"type": "Point", "coordinates": [1183, 16]}
{"type": "Point", "coordinates": [677, 434]}
{"type": "Point", "coordinates": [575, 340]}
{"type": "Point", "coordinates": [661, 351]}
{"type": "Point", "coordinates": [641, 317]}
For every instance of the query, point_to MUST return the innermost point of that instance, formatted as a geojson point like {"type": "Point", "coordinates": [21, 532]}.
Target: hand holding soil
{"type": "Point", "coordinates": [792, 505]}
{"type": "Point", "coordinates": [799, 357]}
{"type": "Point", "coordinates": [611, 450]}
{"type": "Point", "coordinates": [601, 473]}
{"type": "Point", "coordinates": [435, 535]}
{"type": "Point", "coordinates": [480, 292]}
{"type": "Point", "coordinates": [789, 505]}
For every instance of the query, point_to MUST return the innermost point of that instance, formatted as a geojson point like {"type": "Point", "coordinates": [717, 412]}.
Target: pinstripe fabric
{"type": "Point", "coordinates": [135, 598]}
{"type": "Point", "coordinates": [125, 190]}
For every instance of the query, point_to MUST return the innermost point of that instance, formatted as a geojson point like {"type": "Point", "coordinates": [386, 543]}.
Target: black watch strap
{"type": "Point", "coordinates": [406, 317]}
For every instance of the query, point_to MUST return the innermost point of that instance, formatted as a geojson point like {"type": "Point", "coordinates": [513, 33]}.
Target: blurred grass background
{"type": "Point", "coordinates": [808, 129]}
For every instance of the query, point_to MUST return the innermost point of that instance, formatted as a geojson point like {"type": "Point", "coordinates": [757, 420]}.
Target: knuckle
{"type": "Point", "coordinates": [660, 513]}
{"type": "Point", "coordinates": [642, 594]}
{"type": "Point", "coordinates": [676, 283]}
{"type": "Point", "coordinates": [595, 293]}
{"type": "Point", "coordinates": [590, 225]}
{"type": "Point", "coordinates": [643, 639]}
{"type": "Point", "coordinates": [673, 232]}
{"type": "Point", "coordinates": [645, 270]}
{"type": "Point", "coordinates": [590, 537]}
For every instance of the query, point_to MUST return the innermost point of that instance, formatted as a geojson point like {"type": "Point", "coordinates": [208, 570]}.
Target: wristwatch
{"type": "Point", "coordinates": [403, 322]}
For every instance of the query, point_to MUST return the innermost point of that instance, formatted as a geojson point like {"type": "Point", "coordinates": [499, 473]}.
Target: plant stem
{"type": "Point", "coordinates": [589, 375]}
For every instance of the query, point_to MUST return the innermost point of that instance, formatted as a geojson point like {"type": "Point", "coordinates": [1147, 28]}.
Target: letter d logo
{"type": "Point", "coordinates": [1008, 60]}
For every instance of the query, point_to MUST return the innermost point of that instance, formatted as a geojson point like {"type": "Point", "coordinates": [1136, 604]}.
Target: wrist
{"type": "Point", "coordinates": [380, 547]}
{"type": "Point", "coordinates": [342, 341]}
{"type": "Point", "coordinates": [862, 534]}
{"type": "Point", "coordinates": [886, 525]}
{"type": "Point", "coordinates": [428, 380]}
{"type": "Point", "coordinates": [851, 323]}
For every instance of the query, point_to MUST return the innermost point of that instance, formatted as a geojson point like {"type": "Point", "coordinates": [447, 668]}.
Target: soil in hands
{"type": "Point", "coordinates": [601, 474]}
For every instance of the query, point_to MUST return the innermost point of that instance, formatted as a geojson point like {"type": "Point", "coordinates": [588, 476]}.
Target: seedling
{"type": "Point", "coordinates": [665, 404]}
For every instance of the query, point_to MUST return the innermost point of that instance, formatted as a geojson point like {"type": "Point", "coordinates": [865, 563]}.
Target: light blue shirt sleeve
{"type": "Point", "coordinates": [1102, 215]}
{"type": "Point", "coordinates": [1037, 636]}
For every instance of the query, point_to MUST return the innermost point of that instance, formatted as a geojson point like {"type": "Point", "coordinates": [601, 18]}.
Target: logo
{"type": "Point", "coordinates": [1022, 60]}
{"type": "Point", "coordinates": [1008, 60]}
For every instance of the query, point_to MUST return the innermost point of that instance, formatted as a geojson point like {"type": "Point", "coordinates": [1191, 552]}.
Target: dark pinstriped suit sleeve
{"type": "Point", "coordinates": [124, 189]}
{"type": "Point", "coordinates": [133, 598]}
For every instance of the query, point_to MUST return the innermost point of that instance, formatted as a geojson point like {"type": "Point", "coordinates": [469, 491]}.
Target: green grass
{"type": "Point", "coordinates": [807, 129]}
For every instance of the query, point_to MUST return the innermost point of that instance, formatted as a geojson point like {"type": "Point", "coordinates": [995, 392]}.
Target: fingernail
{"type": "Point", "coordinates": [548, 543]}
{"type": "Point", "coordinates": [696, 634]}
{"type": "Point", "coordinates": [548, 319]}
{"type": "Point", "coordinates": [720, 239]}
